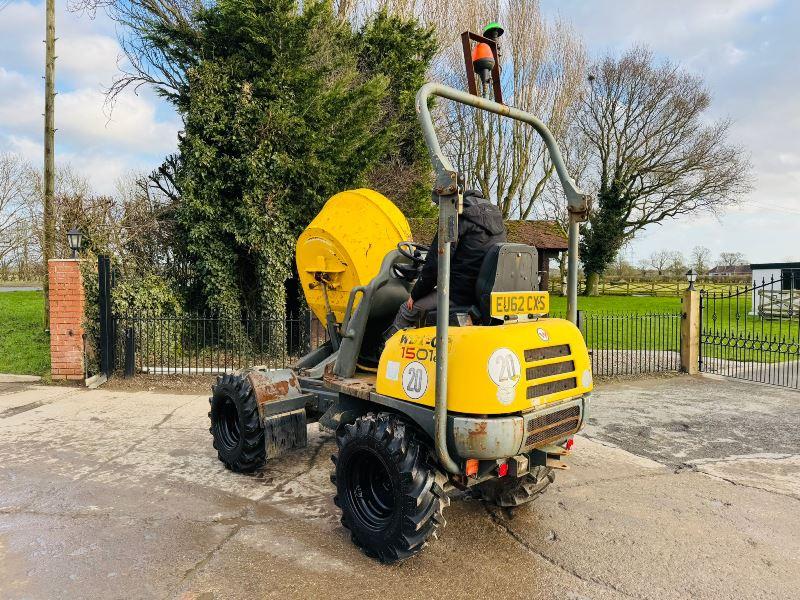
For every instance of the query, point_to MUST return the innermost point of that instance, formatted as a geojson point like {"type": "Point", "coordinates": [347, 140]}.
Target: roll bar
{"type": "Point", "coordinates": [445, 190]}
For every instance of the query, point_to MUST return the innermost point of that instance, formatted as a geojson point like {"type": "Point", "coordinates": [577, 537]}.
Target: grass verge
{"type": "Point", "coordinates": [24, 346]}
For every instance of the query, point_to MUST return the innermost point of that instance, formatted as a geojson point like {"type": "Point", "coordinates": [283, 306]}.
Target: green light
{"type": "Point", "coordinates": [493, 30]}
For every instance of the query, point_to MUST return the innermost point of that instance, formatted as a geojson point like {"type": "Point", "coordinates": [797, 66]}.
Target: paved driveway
{"type": "Point", "coordinates": [681, 488]}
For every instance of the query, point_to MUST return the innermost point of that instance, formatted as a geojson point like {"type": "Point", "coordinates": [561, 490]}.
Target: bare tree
{"type": "Point", "coordinates": [677, 264]}
{"type": "Point", "coordinates": [731, 259]}
{"type": "Point", "coordinates": [622, 267]}
{"type": "Point", "coordinates": [655, 155]}
{"type": "Point", "coordinates": [643, 267]}
{"type": "Point", "coordinates": [135, 223]}
{"type": "Point", "coordinates": [70, 189]}
{"type": "Point", "coordinates": [141, 21]}
{"type": "Point", "coordinates": [14, 181]}
{"type": "Point", "coordinates": [542, 70]}
{"type": "Point", "coordinates": [543, 65]}
{"type": "Point", "coordinates": [701, 259]}
{"type": "Point", "coordinates": [660, 260]}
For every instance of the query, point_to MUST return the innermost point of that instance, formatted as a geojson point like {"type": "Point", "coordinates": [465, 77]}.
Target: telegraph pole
{"type": "Point", "coordinates": [49, 151]}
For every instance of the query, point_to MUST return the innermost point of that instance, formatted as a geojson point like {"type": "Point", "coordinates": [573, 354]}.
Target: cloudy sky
{"type": "Point", "coordinates": [101, 143]}
{"type": "Point", "coordinates": [747, 51]}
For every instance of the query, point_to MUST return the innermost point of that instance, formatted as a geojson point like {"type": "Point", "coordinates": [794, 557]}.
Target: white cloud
{"type": "Point", "coordinates": [90, 60]}
{"type": "Point", "coordinates": [22, 32]}
{"type": "Point", "coordinates": [132, 125]}
{"type": "Point", "coordinates": [26, 147]}
{"type": "Point", "coordinates": [619, 23]}
{"type": "Point", "coordinates": [100, 168]}
{"type": "Point", "coordinates": [99, 142]}
{"type": "Point", "coordinates": [21, 102]}
{"type": "Point", "coordinates": [733, 54]}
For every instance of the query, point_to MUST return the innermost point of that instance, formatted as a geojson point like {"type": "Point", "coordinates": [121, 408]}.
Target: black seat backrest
{"type": "Point", "coordinates": [506, 268]}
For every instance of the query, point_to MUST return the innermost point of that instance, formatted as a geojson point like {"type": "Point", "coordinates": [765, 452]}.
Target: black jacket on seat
{"type": "Point", "coordinates": [480, 226]}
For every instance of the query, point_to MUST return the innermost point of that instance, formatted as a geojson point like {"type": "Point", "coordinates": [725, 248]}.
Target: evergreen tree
{"type": "Point", "coordinates": [277, 119]}
{"type": "Point", "coordinates": [402, 50]}
{"type": "Point", "coordinates": [283, 107]}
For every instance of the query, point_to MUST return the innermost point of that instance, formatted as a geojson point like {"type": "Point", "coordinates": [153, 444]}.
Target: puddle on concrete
{"type": "Point", "coordinates": [15, 410]}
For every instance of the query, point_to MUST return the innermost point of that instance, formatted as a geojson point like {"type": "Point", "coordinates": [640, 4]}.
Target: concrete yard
{"type": "Point", "coordinates": [681, 487]}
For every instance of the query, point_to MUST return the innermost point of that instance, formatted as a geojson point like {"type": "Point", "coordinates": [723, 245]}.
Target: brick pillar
{"type": "Point", "coordinates": [66, 319]}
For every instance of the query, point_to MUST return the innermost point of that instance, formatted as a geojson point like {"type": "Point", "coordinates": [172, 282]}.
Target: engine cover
{"type": "Point", "coordinates": [494, 370]}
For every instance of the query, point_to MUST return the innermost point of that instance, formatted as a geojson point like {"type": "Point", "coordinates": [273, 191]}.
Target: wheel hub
{"type": "Point", "coordinates": [371, 490]}
{"type": "Point", "coordinates": [228, 423]}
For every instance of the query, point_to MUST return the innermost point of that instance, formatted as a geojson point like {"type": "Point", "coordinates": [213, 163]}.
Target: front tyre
{"type": "Point", "coordinates": [390, 496]}
{"type": "Point", "coordinates": [235, 424]}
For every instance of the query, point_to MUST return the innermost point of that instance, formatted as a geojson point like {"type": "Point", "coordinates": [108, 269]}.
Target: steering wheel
{"type": "Point", "coordinates": [413, 251]}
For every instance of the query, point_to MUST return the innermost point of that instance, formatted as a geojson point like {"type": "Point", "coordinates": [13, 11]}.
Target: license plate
{"type": "Point", "coordinates": [510, 304]}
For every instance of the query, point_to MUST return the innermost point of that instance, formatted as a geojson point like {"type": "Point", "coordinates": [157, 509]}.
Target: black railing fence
{"type": "Point", "coordinates": [632, 343]}
{"type": "Point", "coordinates": [753, 332]}
{"type": "Point", "coordinates": [201, 344]}
{"type": "Point", "coordinates": [194, 344]}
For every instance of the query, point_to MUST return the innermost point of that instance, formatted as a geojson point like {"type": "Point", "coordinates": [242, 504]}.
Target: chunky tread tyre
{"type": "Point", "coordinates": [235, 424]}
{"type": "Point", "coordinates": [396, 521]}
{"type": "Point", "coordinates": [510, 492]}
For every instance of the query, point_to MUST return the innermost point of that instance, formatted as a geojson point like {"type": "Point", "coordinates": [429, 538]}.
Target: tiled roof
{"type": "Point", "coordinates": [730, 270]}
{"type": "Point", "coordinates": [543, 235]}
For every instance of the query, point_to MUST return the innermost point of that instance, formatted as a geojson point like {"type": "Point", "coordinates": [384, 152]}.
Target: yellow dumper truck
{"type": "Point", "coordinates": [483, 398]}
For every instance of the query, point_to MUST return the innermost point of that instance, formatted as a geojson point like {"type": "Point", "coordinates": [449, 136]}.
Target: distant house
{"type": "Point", "coordinates": [774, 283]}
{"type": "Point", "coordinates": [785, 275]}
{"type": "Point", "coordinates": [730, 271]}
{"type": "Point", "coordinates": [547, 237]}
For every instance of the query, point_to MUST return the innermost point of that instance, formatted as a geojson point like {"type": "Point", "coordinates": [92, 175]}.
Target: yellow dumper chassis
{"type": "Point", "coordinates": [490, 408]}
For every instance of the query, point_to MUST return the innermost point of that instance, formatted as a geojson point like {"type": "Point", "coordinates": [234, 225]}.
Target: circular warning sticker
{"type": "Point", "coordinates": [415, 380]}
{"type": "Point", "coordinates": [504, 370]}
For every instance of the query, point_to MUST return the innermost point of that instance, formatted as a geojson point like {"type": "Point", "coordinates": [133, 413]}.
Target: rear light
{"type": "Point", "coordinates": [472, 467]}
{"type": "Point", "coordinates": [569, 444]}
{"type": "Point", "coordinates": [502, 470]}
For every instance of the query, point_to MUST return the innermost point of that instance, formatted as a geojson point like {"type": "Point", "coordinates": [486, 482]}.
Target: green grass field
{"type": "Point", "coordinates": [24, 346]}
{"type": "Point", "coordinates": [730, 331]}
{"type": "Point", "coordinates": [731, 316]}
{"type": "Point", "coordinates": [558, 304]}
{"type": "Point", "coordinates": [627, 322]}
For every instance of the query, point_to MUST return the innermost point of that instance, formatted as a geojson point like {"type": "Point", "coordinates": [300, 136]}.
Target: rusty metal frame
{"type": "Point", "coordinates": [467, 38]}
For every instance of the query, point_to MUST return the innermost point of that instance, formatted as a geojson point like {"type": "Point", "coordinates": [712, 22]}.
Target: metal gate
{"type": "Point", "coordinates": [753, 332]}
{"type": "Point", "coordinates": [106, 321]}
{"type": "Point", "coordinates": [193, 343]}
{"type": "Point", "coordinates": [210, 344]}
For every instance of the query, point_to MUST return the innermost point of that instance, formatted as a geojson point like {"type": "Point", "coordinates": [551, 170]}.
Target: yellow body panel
{"type": "Point", "coordinates": [489, 371]}
{"type": "Point", "coordinates": [344, 246]}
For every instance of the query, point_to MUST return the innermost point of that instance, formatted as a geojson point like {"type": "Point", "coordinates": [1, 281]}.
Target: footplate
{"type": "Point", "coordinates": [282, 409]}
{"type": "Point", "coordinates": [285, 432]}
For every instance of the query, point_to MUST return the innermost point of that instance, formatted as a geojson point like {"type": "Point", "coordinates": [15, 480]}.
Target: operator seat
{"type": "Point", "coordinates": [363, 326]}
{"type": "Point", "coordinates": [507, 267]}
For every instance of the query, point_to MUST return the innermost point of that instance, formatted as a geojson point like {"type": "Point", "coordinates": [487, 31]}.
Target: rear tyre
{"type": "Point", "coordinates": [235, 424]}
{"type": "Point", "coordinates": [510, 492]}
{"type": "Point", "coordinates": [390, 496]}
